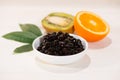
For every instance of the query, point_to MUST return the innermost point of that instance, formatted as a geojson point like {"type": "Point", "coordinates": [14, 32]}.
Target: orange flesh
{"type": "Point", "coordinates": [92, 23]}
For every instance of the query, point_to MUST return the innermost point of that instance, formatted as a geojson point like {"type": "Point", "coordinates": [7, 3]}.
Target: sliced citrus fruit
{"type": "Point", "coordinates": [90, 26]}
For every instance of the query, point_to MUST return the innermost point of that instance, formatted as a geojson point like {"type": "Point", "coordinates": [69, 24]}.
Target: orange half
{"type": "Point", "coordinates": [90, 26]}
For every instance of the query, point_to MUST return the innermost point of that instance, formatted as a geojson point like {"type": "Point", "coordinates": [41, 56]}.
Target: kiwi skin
{"type": "Point", "coordinates": [52, 28]}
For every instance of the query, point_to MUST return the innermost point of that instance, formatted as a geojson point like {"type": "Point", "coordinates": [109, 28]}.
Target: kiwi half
{"type": "Point", "coordinates": [58, 21]}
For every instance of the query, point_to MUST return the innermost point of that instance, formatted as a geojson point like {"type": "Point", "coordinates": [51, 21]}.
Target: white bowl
{"type": "Point", "coordinates": [59, 59]}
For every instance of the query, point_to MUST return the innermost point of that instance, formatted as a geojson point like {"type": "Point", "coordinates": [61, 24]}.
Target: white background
{"type": "Point", "coordinates": [102, 61]}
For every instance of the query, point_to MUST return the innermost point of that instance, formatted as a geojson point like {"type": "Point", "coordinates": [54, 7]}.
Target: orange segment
{"type": "Point", "coordinates": [90, 26]}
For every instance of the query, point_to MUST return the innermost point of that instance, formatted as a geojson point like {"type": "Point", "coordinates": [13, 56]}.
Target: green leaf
{"type": "Point", "coordinates": [25, 37]}
{"type": "Point", "coordinates": [31, 28]}
{"type": "Point", "coordinates": [24, 48]}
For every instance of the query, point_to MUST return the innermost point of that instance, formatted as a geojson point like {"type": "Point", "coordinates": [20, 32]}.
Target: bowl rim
{"type": "Point", "coordinates": [74, 35]}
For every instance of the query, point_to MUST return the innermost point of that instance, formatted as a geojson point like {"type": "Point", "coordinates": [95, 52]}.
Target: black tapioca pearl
{"type": "Point", "coordinates": [61, 37]}
{"type": "Point", "coordinates": [43, 47]}
{"type": "Point", "coordinates": [59, 33]}
{"type": "Point", "coordinates": [69, 45]}
{"type": "Point", "coordinates": [61, 43]}
{"type": "Point", "coordinates": [55, 42]}
{"type": "Point", "coordinates": [66, 35]}
{"type": "Point", "coordinates": [67, 41]}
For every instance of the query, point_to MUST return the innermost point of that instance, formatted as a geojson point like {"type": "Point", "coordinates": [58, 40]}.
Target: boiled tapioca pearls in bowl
{"type": "Point", "coordinates": [60, 48]}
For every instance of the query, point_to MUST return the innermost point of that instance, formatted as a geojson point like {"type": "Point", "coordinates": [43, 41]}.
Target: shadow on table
{"type": "Point", "coordinates": [67, 68]}
{"type": "Point", "coordinates": [100, 44]}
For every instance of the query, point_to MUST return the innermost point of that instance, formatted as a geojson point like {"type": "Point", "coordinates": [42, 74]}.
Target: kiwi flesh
{"type": "Point", "coordinates": [58, 21]}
